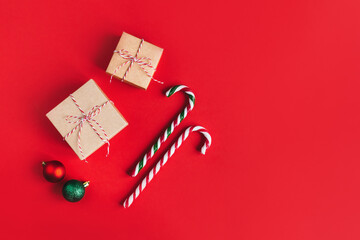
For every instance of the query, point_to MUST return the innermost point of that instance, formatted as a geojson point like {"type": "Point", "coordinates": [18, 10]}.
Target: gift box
{"type": "Point", "coordinates": [87, 119]}
{"type": "Point", "coordinates": [134, 61]}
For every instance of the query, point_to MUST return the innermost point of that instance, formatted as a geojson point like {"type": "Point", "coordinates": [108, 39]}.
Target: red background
{"type": "Point", "coordinates": [276, 84]}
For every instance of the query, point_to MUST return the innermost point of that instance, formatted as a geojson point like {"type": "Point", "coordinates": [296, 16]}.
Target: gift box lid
{"type": "Point", "coordinates": [136, 75]}
{"type": "Point", "coordinates": [109, 119]}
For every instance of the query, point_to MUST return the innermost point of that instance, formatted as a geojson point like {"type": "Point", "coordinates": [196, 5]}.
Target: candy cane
{"type": "Point", "coordinates": [170, 129]}
{"type": "Point", "coordinates": [165, 158]}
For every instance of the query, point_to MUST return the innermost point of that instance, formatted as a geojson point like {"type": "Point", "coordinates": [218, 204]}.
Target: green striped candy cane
{"type": "Point", "coordinates": [170, 129]}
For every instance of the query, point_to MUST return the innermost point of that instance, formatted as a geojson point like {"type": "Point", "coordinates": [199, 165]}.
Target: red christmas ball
{"type": "Point", "coordinates": [54, 171]}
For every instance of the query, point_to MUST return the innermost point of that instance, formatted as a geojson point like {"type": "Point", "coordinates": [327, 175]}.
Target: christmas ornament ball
{"type": "Point", "coordinates": [74, 190]}
{"type": "Point", "coordinates": [53, 171]}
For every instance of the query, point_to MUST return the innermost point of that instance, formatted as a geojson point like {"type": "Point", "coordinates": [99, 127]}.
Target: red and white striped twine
{"type": "Point", "coordinates": [142, 62]}
{"type": "Point", "coordinates": [89, 118]}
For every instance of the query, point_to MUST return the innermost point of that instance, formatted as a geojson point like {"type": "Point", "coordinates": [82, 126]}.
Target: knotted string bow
{"type": "Point", "coordinates": [142, 62]}
{"type": "Point", "coordinates": [89, 118]}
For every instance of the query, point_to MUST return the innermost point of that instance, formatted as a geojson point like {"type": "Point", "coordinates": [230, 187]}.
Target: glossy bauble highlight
{"type": "Point", "coordinates": [53, 171]}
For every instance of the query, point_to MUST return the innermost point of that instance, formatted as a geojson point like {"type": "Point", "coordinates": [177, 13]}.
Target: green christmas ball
{"type": "Point", "coordinates": [74, 190]}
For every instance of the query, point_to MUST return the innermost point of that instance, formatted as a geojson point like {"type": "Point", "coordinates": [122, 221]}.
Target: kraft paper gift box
{"type": "Point", "coordinates": [134, 61]}
{"type": "Point", "coordinates": [101, 117]}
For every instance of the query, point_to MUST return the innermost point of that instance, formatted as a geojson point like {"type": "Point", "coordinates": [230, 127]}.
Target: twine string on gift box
{"type": "Point", "coordinates": [142, 62]}
{"type": "Point", "coordinates": [89, 118]}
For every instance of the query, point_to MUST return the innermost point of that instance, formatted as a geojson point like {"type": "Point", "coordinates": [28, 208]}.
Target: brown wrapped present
{"type": "Point", "coordinates": [134, 61]}
{"type": "Point", "coordinates": [87, 119]}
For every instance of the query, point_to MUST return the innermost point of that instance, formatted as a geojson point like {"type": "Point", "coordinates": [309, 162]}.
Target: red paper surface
{"type": "Point", "coordinates": [276, 83]}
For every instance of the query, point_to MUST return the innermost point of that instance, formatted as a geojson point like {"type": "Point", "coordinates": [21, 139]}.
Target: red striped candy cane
{"type": "Point", "coordinates": [165, 158]}
{"type": "Point", "coordinates": [170, 129]}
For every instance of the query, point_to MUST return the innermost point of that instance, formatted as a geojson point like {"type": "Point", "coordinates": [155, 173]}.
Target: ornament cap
{"type": "Point", "coordinates": [86, 184]}
{"type": "Point", "coordinates": [43, 163]}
